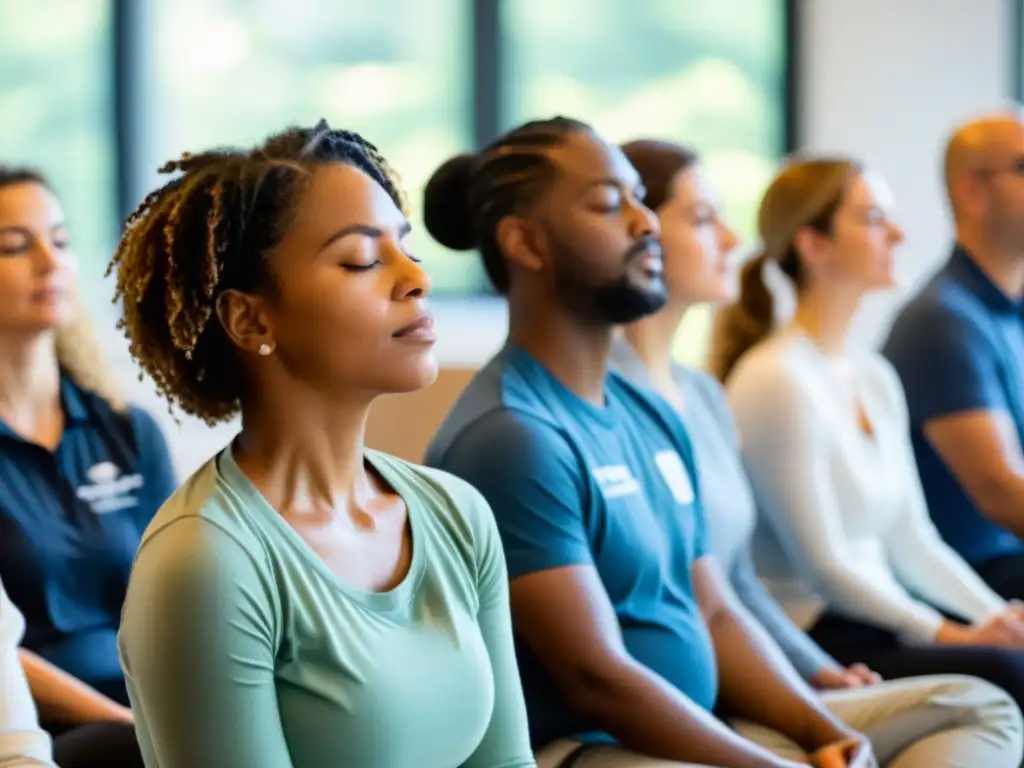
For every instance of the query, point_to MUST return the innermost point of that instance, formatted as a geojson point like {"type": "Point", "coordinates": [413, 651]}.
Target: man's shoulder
{"type": "Point", "coordinates": [942, 324]}
{"type": "Point", "coordinates": [945, 345]}
{"type": "Point", "coordinates": [497, 413]}
{"type": "Point", "coordinates": [942, 306]}
{"type": "Point", "coordinates": [701, 382]}
{"type": "Point", "coordinates": [632, 395]}
{"type": "Point", "coordinates": [497, 436]}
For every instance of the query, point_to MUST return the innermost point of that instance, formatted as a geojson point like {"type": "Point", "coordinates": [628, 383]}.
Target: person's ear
{"type": "Point", "coordinates": [812, 247]}
{"type": "Point", "coordinates": [245, 322]}
{"type": "Point", "coordinates": [522, 242]}
{"type": "Point", "coordinates": [967, 192]}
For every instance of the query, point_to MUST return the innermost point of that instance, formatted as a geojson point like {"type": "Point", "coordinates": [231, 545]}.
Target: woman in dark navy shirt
{"type": "Point", "coordinates": [81, 473]}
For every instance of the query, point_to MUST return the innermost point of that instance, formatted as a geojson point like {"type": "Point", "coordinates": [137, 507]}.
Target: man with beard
{"type": "Point", "coordinates": [959, 350]}
{"type": "Point", "coordinates": [628, 635]}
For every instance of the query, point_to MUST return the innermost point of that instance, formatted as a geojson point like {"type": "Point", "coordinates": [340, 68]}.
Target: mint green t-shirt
{"type": "Point", "coordinates": [241, 649]}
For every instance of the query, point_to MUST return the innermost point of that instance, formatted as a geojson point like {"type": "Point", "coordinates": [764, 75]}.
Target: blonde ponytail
{"type": "Point", "coordinates": [806, 193]}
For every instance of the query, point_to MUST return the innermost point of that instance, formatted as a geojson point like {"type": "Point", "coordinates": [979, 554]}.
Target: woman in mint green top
{"type": "Point", "coordinates": [302, 600]}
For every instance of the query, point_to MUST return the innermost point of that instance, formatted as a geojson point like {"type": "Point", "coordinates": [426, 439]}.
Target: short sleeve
{"type": "Point", "coordinates": [534, 484]}
{"type": "Point", "coordinates": [945, 362]}
{"type": "Point", "coordinates": [154, 458]}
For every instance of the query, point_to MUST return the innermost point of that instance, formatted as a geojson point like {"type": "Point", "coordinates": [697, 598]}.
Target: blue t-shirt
{"type": "Point", "coordinates": [70, 522]}
{"type": "Point", "coordinates": [575, 484]}
{"type": "Point", "coordinates": [959, 346]}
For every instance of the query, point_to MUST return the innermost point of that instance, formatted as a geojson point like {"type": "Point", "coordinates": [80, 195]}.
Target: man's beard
{"type": "Point", "coordinates": [610, 302]}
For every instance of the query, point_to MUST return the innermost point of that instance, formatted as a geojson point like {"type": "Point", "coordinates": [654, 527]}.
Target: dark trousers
{"type": "Point", "coordinates": [98, 745]}
{"type": "Point", "coordinates": [95, 745]}
{"type": "Point", "coordinates": [852, 641]}
{"type": "Point", "coordinates": [1005, 575]}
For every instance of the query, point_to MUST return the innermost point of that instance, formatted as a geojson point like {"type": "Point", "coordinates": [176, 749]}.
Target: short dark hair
{"type": "Point", "coordinates": [468, 195]}
{"type": "Point", "coordinates": [209, 230]}
{"type": "Point", "coordinates": [658, 163]}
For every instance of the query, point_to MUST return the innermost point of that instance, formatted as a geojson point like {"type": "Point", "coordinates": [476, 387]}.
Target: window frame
{"type": "Point", "coordinates": [1016, 63]}
{"type": "Point", "coordinates": [129, 68]}
{"type": "Point", "coordinates": [472, 325]}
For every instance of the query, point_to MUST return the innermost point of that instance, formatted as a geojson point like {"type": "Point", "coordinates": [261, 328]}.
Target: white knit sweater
{"type": "Point", "coordinates": [843, 522]}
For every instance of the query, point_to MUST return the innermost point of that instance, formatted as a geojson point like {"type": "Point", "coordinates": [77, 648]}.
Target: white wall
{"type": "Point", "coordinates": [886, 80]}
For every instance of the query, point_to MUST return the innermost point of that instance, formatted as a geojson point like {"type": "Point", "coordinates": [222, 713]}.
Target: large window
{"type": "Point", "coordinates": [413, 75]}
{"type": "Point", "coordinates": [397, 71]}
{"type": "Point", "coordinates": [99, 93]}
{"type": "Point", "coordinates": [708, 74]}
{"type": "Point", "coordinates": [56, 114]}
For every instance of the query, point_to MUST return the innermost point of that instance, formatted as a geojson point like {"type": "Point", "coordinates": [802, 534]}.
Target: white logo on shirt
{"type": "Point", "coordinates": [104, 472]}
{"type": "Point", "coordinates": [675, 475]}
{"type": "Point", "coordinates": [615, 481]}
{"type": "Point", "coordinates": [109, 490]}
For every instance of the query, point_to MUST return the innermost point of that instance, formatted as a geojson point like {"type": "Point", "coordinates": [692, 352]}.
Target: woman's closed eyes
{"type": "Point", "coordinates": [15, 241]}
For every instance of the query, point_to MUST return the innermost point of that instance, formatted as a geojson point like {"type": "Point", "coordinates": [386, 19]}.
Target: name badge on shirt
{"type": "Point", "coordinates": [615, 480]}
{"type": "Point", "coordinates": [675, 475]}
{"type": "Point", "coordinates": [108, 490]}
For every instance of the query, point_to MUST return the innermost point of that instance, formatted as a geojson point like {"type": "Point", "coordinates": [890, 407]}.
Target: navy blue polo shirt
{"type": "Point", "coordinates": [70, 522]}
{"type": "Point", "coordinates": [612, 487]}
{"type": "Point", "coordinates": [959, 346]}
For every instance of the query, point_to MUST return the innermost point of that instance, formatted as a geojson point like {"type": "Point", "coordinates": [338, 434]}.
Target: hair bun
{"type": "Point", "coordinates": [446, 212]}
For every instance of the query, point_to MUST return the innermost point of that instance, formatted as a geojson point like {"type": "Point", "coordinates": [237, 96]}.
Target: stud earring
{"type": "Point", "coordinates": [265, 349]}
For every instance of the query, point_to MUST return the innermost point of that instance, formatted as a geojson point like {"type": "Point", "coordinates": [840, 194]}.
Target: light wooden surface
{"type": "Point", "coordinates": [403, 425]}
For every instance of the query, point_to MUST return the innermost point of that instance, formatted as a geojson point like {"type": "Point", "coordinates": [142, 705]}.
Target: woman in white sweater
{"type": "Point", "coordinates": [844, 541]}
{"type": "Point", "coordinates": [22, 742]}
{"type": "Point", "coordinates": [937, 721]}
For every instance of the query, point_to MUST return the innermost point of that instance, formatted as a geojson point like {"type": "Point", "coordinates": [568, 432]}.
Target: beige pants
{"type": "Point", "coordinates": [945, 721]}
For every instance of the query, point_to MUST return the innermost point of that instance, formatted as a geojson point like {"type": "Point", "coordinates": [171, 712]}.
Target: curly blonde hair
{"type": "Point", "coordinates": [79, 352]}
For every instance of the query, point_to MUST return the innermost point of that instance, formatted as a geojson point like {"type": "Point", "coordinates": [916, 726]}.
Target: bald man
{"type": "Point", "coordinates": [959, 350]}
